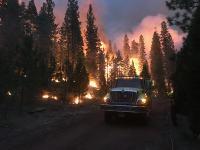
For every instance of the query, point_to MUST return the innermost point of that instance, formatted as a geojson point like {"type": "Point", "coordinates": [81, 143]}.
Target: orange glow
{"type": "Point", "coordinates": [103, 45]}
{"type": "Point", "coordinates": [45, 96]}
{"type": "Point", "coordinates": [88, 96]}
{"type": "Point", "coordinates": [49, 96]}
{"type": "Point", "coordinates": [136, 64]}
{"type": "Point", "coordinates": [93, 84]}
{"type": "Point", "coordinates": [77, 101]}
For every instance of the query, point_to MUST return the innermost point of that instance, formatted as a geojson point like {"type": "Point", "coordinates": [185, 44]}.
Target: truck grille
{"type": "Point", "coordinates": [123, 97]}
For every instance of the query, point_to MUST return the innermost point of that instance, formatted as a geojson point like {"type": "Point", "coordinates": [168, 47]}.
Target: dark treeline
{"type": "Point", "coordinates": [187, 76]}
{"type": "Point", "coordinates": [36, 52]}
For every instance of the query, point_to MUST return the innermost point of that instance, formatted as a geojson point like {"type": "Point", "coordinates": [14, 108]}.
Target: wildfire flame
{"type": "Point", "coordinates": [103, 45]}
{"type": "Point", "coordinates": [136, 64]}
{"type": "Point", "coordinates": [93, 84]}
{"type": "Point", "coordinates": [88, 96]}
{"type": "Point", "coordinates": [77, 101]}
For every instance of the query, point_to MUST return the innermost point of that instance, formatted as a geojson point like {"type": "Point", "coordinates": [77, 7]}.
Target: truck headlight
{"type": "Point", "coordinates": [142, 101]}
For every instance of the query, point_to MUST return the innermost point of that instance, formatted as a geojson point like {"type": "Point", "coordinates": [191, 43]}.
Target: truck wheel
{"type": "Point", "coordinates": [107, 117]}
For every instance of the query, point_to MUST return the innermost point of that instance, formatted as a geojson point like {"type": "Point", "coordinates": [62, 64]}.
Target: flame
{"type": "Point", "coordinates": [93, 84]}
{"type": "Point", "coordinates": [103, 45]}
{"type": "Point", "coordinates": [136, 64]}
{"type": "Point", "coordinates": [45, 96]}
{"type": "Point", "coordinates": [88, 96]}
{"type": "Point", "coordinates": [49, 96]}
{"type": "Point", "coordinates": [77, 101]}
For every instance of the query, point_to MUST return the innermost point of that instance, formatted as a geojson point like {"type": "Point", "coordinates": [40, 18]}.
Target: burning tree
{"type": "Point", "coordinates": [126, 47]}
{"type": "Point", "coordinates": [134, 48]}
{"type": "Point", "coordinates": [132, 70]}
{"type": "Point", "coordinates": [142, 53]}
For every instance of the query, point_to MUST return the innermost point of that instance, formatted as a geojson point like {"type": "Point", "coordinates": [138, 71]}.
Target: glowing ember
{"type": "Point", "coordinates": [46, 96]}
{"type": "Point", "coordinates": [93, 84]}
{"type": "Point", "coordinates": [9, 93]}
{"type": "Point", "coordinates": [88, 96]}
{"type": "Point", "coordinates": [136, 64]}
{"type": "Point", "coordinates": [103, 45]}
{"type": "Point", "coordinates": [49, 96]}
{"type": "Point", "coordinates": [54, 97]}
{"type": "Point", "coordinates": [77, 101]}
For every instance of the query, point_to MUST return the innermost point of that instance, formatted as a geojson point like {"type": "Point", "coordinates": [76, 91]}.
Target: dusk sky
{"type": "Point", "coordinates": [118, 17]}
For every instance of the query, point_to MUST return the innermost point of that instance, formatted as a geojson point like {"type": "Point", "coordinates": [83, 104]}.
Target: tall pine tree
{"type": "Point", "coordinates": [142, 53]}
{"type": "Point", "coordinates": [126, 47]}
{"type": "Point", "coordinates": [11, 37]}
{"type": "Point", "coordinates": [157, 70]}
{"type": "Point", "coordinates": [168, 49]}
{"type": "Point", "coordinates": [47, 30]}
{"type": "Point", "coordinates": [73, 32]}
{"type": "Point", "coordinates": [93, 42]}
{"type": "Point", "coordinates": [74, 40]}
{"type": "Point", "coordinates": [134, 48]}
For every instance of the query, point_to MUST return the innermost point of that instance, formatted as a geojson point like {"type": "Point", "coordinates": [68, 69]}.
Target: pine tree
{"type": "Point", "coordinates": [115, 72]}
{"type": "Point", "coordinates": [126, 47]}
{"type": "Point", "coordinates": [93, 42]}
{"type": "Point", "coordinates": [31, 18]}
{"type": "Point", "coordinates": [132, 70]}
{"type": "Point", "coordinates": [110, 52]}
{"type": "Point", "coordinates": [73, 32]}
{"type": "Point", "coordinates": [183, 12]}
{"type": "Point", "coordinates": [47, 30]}
{"type": "Point", "coordinates": [187, 81]}
{"type": "Point", "coordinates": [10, 43]}
{"type": "Point", "coordinates": [142, 53]}
{"type": "Point", "coordinates": [145, 71]}
{"type": "Point", "coordinates": [157, 64]}
{"type": "Point", "coordinates": [134, 48]}
{"type": "Point", "coordinates": [168, 49]}
{"type": "Point", "coordinates": [81, 77]}
{"type": "Point", "coordinates": [101, 72]}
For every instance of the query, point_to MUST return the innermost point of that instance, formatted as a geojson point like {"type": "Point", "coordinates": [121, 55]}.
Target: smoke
{"type": "Point", "coordinates": [147, 27]}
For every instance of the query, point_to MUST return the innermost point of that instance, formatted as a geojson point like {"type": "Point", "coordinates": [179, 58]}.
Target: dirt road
{"type": "Point", "coordinates": [88, 131]}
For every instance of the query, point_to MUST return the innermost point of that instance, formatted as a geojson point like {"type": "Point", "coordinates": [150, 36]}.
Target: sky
{"type": "Point", "coordinates": [116, 18]}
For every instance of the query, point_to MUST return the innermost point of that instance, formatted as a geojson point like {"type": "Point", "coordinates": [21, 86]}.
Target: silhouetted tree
{"type": "Point", "coordinates": [187, 81]}
{"type": "Point", "coordinates": [126, 47]}
{"type": "Point", "coordinates": [142, 53]}
{"type": "Point", "coordinates": [47, 30]}
{"type": "Point", "coordinates": [93, 43]}
{"type": "Point", "coordinates": [134, 48]}
{"type": "Point", "coordinates": [132, 70]}
{"type": "Point", "coordinates": [80, 77]}
{"type": "Point", "coordinates": [184, 10]}
{"type": "Point", "coordinates": [11, 37]}
{"type": "Point", "coordinates": [145, 71]}
{"type": "Point", "coordinates": [156, 57]}
{"type": "Point", "coordinates": [168, 49]}
{"type": "Point", "coordinates": [73, 31]}
{"type": "Point", "coordinates": [101, 72]}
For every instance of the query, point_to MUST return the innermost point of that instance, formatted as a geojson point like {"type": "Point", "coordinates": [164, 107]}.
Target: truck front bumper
{"type": "Point", "coordinates": [125, 108]}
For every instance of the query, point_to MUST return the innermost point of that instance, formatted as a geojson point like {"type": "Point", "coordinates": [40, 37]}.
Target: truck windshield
{"type": "Point", "coordinates": [134, 83]}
